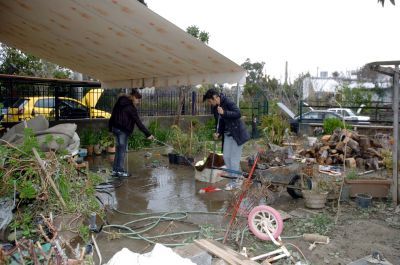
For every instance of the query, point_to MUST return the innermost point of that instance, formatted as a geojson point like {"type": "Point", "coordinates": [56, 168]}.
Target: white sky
{"type": "Point", "coordinates": [328, 35]}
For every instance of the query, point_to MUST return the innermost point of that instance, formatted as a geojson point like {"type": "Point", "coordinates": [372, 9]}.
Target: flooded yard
{"type": "Point", "coordinates": [156, 188]}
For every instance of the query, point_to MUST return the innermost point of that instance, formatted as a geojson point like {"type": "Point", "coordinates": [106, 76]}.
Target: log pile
{"type": "Point", "coordinates": [346, 146]}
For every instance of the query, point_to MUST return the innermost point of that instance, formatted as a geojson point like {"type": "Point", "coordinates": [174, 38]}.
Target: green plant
{"type": "Point", "coordinates": [273, 127]}
{"type": "Point", "coordinates": [186, 144]}
{"type": "Point", "coordinates": [159, 133]}
{"type": "Point", "coordinates": [387, 159]}
{"type": "Point", "coordinates": [84, 137]}
{"type": "Point", "coordinates": [330, 124]}
{"type": "Point", "coordinates": [106, 139]}
{"type": "Point", "coordinates": [352, 174]}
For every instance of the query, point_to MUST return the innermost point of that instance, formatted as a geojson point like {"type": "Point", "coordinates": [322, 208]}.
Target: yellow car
{"type": "Point", "coordinates": [68, 108]}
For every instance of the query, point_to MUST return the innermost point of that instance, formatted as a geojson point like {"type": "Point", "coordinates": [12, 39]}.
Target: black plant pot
{"type": "Point", "coordinates": [187, 161]}
{"type": "Point", "coordinates": [173, 158]}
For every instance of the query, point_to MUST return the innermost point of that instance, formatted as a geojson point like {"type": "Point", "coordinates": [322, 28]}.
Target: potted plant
{"type": "Point", "coordinates": [185, 145]}
{"type": "Point", "coordinates": [108, 143]}
{"type": "Point", "coordinates": [88, 141]}
{"type": "Point", "coordinates": [375, 185]}
{"type": "Point", "coordinates": [92, 142]}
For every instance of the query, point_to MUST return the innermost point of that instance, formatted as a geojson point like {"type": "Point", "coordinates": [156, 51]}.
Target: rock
{"type": "Point", "coordinates": [14, 236]}
{"type": "Point", "coordinates": [326, 261]}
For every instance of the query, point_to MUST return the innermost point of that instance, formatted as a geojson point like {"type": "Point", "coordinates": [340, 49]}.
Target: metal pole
{"type": "Point", "coordinates": [395, 189]}
{"type": "Point", "coordinates": [237, 94]}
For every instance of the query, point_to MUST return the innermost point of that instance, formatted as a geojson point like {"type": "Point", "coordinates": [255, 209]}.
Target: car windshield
{"type": "Point", "coordinates": [19, 103]}
{"type": "Point", "coordinates": [350, 112]}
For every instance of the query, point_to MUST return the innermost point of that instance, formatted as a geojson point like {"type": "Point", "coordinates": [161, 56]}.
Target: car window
{"type": "Point", "coordinates": [19, 103]}
{"type": "Point", "coordinates": [311, 116]}
{"type": "Point", "coordinates": [74, 104]}
{"type": "Point", "coordinates": [331, 115]}
{"type": "Point", "coordinates": [45, 103]}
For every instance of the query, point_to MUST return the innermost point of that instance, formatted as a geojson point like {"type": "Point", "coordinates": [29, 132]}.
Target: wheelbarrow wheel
{"type": "Point", "coordinates": [263, 218]}
{"type": "Point", "coordinates": [296, 181]}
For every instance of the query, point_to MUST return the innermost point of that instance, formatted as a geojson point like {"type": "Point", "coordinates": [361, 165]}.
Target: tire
{"type": "Point", "coordinates": [295, 181]}
{"type": "Point", "coordinates": [264, 215]}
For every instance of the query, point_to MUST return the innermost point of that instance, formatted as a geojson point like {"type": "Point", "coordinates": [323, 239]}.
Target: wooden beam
{"type": "Point", "coordinates": [224, 252]}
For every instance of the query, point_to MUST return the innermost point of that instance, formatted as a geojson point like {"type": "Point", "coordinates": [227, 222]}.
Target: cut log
{"type": "Point", "coordinates": [353, 145]}
{"type": "Point", "coordinates": [350, 162]}
{"type": "Point", "coordinates": [364, 142]}
{"type": "Point", "coordinates": [375, 153]}
{"type": "Point", "coordinates": [340, 146]}
{"type": "Point", "coordinates": [360, 162]}
{"type": "Point", "coordinates": [325, 138]}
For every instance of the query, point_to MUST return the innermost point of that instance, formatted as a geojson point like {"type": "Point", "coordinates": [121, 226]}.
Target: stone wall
{"type": "Point", "coordinates": [164, 121]}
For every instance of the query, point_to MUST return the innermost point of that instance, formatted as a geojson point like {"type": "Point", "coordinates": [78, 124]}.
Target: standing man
{"type": "Point", "coordinates": [231, 128]}
{"type": "Point", "coordinates": [122, 122]}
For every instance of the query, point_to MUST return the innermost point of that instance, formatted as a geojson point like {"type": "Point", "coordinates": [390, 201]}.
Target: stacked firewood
{"type": "Point", "coordinates": [345, 146]}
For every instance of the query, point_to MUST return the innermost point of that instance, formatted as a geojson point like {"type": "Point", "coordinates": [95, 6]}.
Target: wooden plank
{"type": "Point", "coordinates": [224, 252]}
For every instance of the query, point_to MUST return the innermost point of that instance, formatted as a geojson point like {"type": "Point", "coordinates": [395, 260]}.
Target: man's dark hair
{"type": "Point", "coordinates": [135, 93]}
{"type": "Point", "coordinates": [210, 94]}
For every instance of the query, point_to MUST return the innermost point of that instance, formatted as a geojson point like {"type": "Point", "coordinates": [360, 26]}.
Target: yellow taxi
{"type": "Point", "coordinates": [68, 108]}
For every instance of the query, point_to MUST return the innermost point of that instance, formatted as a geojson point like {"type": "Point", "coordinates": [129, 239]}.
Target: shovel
{"type": "Point", "coordinates": [215, 149]}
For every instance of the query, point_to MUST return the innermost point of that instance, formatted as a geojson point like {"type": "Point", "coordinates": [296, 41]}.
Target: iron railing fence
{"type": "Point", "coordinates": [23, 98]}
{"type": "Point", "coordinates": [378, 112]}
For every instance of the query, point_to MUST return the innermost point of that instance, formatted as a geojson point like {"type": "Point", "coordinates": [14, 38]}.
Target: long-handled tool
{"type": "Point", "coordinates": [215, 150]}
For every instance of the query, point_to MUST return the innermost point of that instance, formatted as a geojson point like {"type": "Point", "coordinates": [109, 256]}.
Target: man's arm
{"type": "Point", "coordinates": [140, 125]}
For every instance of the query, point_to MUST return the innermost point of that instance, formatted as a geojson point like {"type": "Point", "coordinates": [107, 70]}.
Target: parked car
{"type": "Point", "coordinates": [314, 116]}
{"type": "Point", "coordinates": [69, 108]}
{"type": "Point", "coordinates": [5, 104]}
{"type": "Point", "coordinates": [349, 115]}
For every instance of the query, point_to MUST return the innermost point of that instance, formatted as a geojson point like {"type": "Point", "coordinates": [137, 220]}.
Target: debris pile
{"type": "Point", "coordinates": [35, 183]}
{"type": "Point", "coordinates": [347, 146]}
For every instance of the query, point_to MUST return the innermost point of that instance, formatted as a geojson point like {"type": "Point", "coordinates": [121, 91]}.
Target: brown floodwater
{"type": "Point", "coordinates": [156, 187]}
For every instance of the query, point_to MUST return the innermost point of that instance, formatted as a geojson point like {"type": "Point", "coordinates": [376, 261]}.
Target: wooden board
{"type": "Point", "coordinates": [224, 252]}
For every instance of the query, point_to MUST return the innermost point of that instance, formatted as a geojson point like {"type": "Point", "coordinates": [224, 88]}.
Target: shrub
{"type": "Point", "coordinates": [330, 124]}
{"type": "Point", "coordinates": [273, 127]}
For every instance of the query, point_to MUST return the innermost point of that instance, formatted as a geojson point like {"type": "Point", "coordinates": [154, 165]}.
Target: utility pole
{"type": "Point", "coordinates": [286, 73]}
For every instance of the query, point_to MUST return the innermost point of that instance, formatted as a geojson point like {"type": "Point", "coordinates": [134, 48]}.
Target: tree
{"type": "Point", "coordinates": [203, 37]}
{"type": "Point", "coordinates": [194, 30]}
{"type": "Point", "coordinates": [15, 62]}
{"type": "Point", "coordinates": [383, 2]}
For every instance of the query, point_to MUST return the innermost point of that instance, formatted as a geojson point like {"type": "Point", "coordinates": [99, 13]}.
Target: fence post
{"type": "Point", "coordinates": [56, 103]}
{"type": "Point", "coordinates": [194, 101]}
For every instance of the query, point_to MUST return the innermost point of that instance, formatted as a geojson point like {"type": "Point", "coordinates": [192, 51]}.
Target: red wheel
{"type": "Point", "coordinates": [264, 217]}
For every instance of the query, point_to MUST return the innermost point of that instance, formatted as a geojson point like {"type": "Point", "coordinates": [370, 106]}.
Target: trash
{"type": "Point", "coordinates": [159, 255]}
{"type": "Point", "coordinates": [209, 189]}
{"type": "Point", "coordinates": [330, 170]}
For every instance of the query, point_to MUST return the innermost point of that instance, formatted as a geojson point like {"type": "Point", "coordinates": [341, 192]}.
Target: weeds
{"type": "Point", "coordinates": [320, 224]}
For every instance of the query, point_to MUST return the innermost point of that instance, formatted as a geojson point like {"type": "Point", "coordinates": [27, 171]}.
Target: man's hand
{"type": "Point", "coordinates": [151, 137]}
{"type": "Point", "coordinates": [220, 110]}
{"type": "Point", "coordinates": [216, 136]}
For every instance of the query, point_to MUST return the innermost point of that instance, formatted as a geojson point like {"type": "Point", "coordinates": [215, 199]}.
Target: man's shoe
{"type": "Point", "coordinates": [123, 174]}
{"type": "Point", "coordinates": [114, 173]}
{"type": "Point", "coordinates": [231, 186]}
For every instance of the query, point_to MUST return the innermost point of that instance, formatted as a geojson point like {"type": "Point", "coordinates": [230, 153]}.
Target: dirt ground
{"type": "Point", "coordinates": [159, 187]}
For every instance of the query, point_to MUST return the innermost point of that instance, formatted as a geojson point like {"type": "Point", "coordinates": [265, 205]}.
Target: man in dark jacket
{"type": "Point", "coordinates": [230, 127]}
{"type": "Point", "coordinates": [122, 122]}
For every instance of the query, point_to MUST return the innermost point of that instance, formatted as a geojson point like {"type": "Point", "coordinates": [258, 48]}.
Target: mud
{"type": "Point", "coordinates": [156, 187]}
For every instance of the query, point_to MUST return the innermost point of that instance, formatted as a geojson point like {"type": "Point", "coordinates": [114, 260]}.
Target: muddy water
{"type": "Point", "coordinates": [155, 186]}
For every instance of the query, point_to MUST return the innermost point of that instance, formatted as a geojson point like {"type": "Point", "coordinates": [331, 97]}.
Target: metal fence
{"type": "Point", "coordinates": [378, 112]}
{"type": "Point", "coordinates": [26, 97]}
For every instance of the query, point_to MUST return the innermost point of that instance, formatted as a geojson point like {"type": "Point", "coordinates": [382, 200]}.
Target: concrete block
{"type": "Point", "coordinates": [195, 254]}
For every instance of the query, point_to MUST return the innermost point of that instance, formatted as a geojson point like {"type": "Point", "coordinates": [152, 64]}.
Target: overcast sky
{"type": "Point", "coordinates": [328, 35]}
